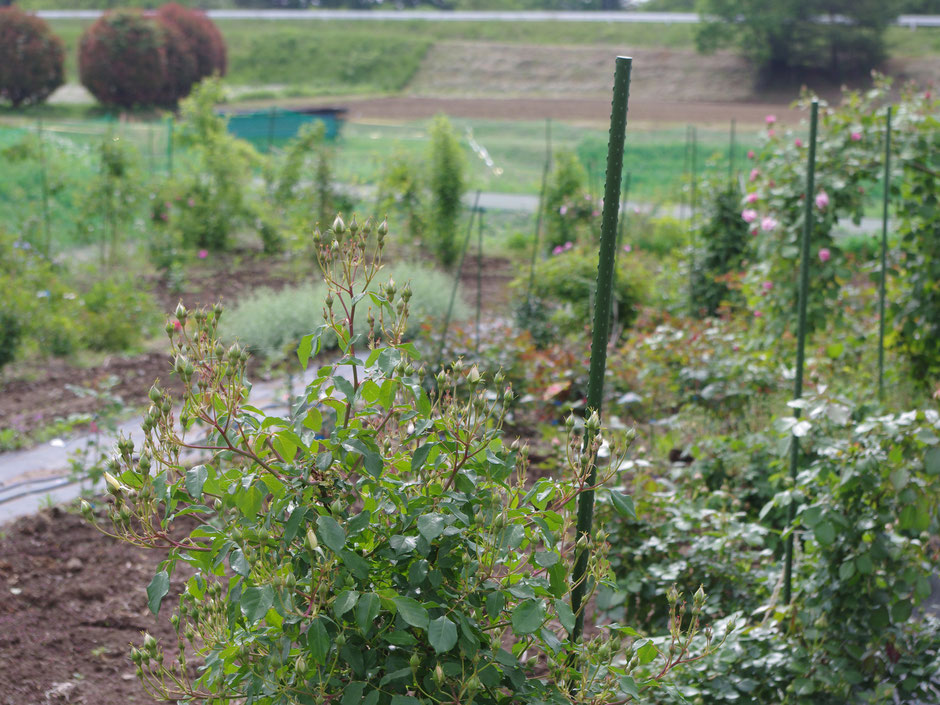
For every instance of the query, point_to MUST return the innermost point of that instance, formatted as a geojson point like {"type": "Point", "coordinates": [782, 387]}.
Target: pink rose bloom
{"type": "Point", "coordinates": [770, 119]}
{"type": "Point", "coordinates": [856, 136]}
{"type": "Point", "coordinates": [749, 215]}
{"type": "Point", "coordinates": [558, 250]}
{"type": "Point", "coordinates": [771, 132]}
{"type": "Point", "coordinates": [751, 198]}
{"type": "Point", "coordinates": [822, 200]}
{"type": "Point", "coordinates": [758, 314]}
{"type": "Point", "coordinates": [595, 213]}
{"type": "Point", "coordinates": [768, 224]}
{"type": "Point", "coordinates": [767, 286]}
{"type": "Point", "coordinates": [203, 254]}
{"type": "Point", "coordinates": [164, 216]}
{"type": "Point", "coordinates": [627, 248]}
{"type": "Point", "coordinates": [563, 210]}
{"type": "Point", "coordinates": [754, 174]}
{"type": "Point", "coordinates": [568, 245]}
{"type": "Point", "coordinates": [177, 325]}
{"type": "Point", "coordinates": [750, 154]}
{"type": "Point", "coordinates": [798, 142]}
{"type": "Point", "coordinates": [753, 231]}
{"type": "Point", "coordinates": [191, 202]}
{"type": "Point", "coordinates": [824, 254]}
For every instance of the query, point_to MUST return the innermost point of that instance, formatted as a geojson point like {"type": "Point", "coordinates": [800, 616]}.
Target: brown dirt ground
{"type": "Point", "coordinates": [71, 603]}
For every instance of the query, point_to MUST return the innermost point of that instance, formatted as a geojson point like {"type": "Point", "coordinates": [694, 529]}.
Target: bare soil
{"type": "Point", "coordinates": [72, 601]}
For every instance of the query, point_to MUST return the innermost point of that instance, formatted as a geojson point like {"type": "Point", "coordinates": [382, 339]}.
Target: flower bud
{"type": "Point", "coordinates": [473, 376]}
{"type": "Point", "coordinates": [155, 394]}
{"type": "Point", "coordinates": [114, 487]}
{"type": "Point", "coordinates": [699, 598]}
{"type": "Point", "coordinates": [354, 225]}
{"type": "Point", "coordinates": [181, 312]}
{"type": "Point", "coordinates": [383, 228]}
{"type": "Point", "coordinates": [300, 666]}
{"type": "Point", "coordinates": [312, 539]}
{"type": "Point", "coordinates": [339, 227]}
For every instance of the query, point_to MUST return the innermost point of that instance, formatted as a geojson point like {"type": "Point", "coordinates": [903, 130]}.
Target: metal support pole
{"type": "Point", "coordinates": [44, 185]}
{"type": "Point", "coordinates": [884, 257]}
{"type": "Point", "coordinates": [808, 217]}
{"type": "Point", "coordinates": [538, 218]}
{"type": "Point", "coordinates": [479, 274]}
{"type": "Point", "coordinates": [601, 331]}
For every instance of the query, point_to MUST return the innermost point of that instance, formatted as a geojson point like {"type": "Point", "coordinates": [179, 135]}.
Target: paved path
{"type": "Point", "coordinates": [912, 21]}
{"type": "Point", "coordinates": [30, 479]}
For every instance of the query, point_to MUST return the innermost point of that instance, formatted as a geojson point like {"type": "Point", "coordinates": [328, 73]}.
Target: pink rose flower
{"type": "Point", "coordinates": [563, 210]}
{"type": "Point", "coordinates": [191, 202]}
{"type": "Point", "coordinates": [822, 200]}
{"type": "Point", "coordinates": [758, 314]}
{"type": "Point", "coordinates": [768, 224]}
{"type": "Point", "coordinates": [824, 254]}
{"type": "Point", "coordinates": [568, 245]}
{"type": "Point", "coordinates": [856, 136]}
{"type": "Point", "coordinates": [771, 132]}
{"type": "Point", "coordinates": [558, 250]}
{"type": "Point", "coordinates": [770, 119]}
{"type": "Point", "coordinates": [753, 231]}
{"type": "Point", "coordinates": [767, 286]}
{"type": "Point", "coordinates": [751, 198]}
{"type": "Point", "coordinates": [754, 174]}
{"type": "Point", "coordinates": [750, 154]}
{"type": "Point", "coordinates": [203, 254]}
{"type": "Point", "coordinates": [627, 248]}
{"type": "Point", "coordinates": [798, 142]}
{"type": "Point", "coordinates": [749, 215]}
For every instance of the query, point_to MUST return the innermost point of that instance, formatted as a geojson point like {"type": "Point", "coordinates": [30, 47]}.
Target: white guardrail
{"type": "Point", "coordinates": [912, 21]}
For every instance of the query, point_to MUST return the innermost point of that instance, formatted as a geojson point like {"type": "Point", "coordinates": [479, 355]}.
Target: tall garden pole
{"type": "Point", "coordinates": [169, 145]}
{"type": "Point", "coordinates": [731, 148]}
{"type": "Point", "coordinates": [453, 292]}
{"type": "Point", "coordinates": [801, 333]}
{"type": "Point", "coordinates": [44, 185]}
{"type": "Point", "coordinates": [884, 268]}
{"type": "Point", "coordinates": [538, 218]}
{"type": "Point", "coordinates": [479, 274]}
{"type": "Point", "coordinates": [692, 206]}
{"type": "Point", "coordinates": [601, 332]}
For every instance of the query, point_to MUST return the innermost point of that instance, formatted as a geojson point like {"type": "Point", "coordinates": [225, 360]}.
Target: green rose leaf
{"type": "Point", "coordinates": [331, 533]}
{"type": "Point", "coordinates": [157, 590]}
{"type": "Point", "coordinates": [442, 633]}
{"type": "Point", "coordinates": [528, 617]}
{"type": "Point", "coordinates": [412, 612]}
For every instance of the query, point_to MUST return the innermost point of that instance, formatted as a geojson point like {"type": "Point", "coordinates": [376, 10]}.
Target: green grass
{"type": "Point", "coordinates": [654, 156]}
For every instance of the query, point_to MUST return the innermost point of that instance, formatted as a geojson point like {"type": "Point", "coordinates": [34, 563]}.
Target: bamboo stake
{"type": "Point", "coordinates": [538, 218]}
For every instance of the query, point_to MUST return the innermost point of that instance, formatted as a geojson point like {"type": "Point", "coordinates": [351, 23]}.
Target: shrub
{"type": "Point", "coordinates": [200, 36]}
{"type": "Point", "coordinates": [395, 557]}
{"type": "Point", "coordinates": [446, 181]}
{"type": "Point", "coordinates": [117, 314]}
{"type": "Point", "coordinates": [271, 323]}
{"type": "Point", "coordinates": [568, 206]}
{"type": "Point", "coordinates": [565, 283]}
{"type": "Point", "coordinates": [32, 59]}
{"type": "Point", "coordinates": [122, 60]}
{"type": "Point", "coordinates": [724, 242]}
{"type": "Point", "coordinates": [181, 68]}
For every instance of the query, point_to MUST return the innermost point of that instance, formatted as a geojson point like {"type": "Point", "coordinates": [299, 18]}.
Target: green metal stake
{"type": "Point", "coordinates": [601, 332]}
{"type": "Point", "coordinates": [453, 292]}
{"type": "Point", "coordinates": [479, 273]}
{"type": "Point", "coordinates": [884, 268]}
{"type": "Point", "coordinates": [44, 185]}
{"type": "Point", "coordinates": [801, 333]}
{"type": "Point", "coordinates": [731, 147]}
{"type": "Point", "coordinates": [538, 218]}
{"type": "Point", "coordinates": [271, 118]}
{"type": "Point", "coordinates": [693, 204]}
{"type": "Point", "coordinates": [169, 146]}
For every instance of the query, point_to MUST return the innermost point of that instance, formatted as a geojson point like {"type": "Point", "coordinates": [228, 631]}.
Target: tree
{"type": "Point", "coordinates": [785, 37]}
{"type": "Point", "coordinates": [32, 58]}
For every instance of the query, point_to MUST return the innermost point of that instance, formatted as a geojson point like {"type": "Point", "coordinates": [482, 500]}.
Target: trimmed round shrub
{"type": "Point", "coordinates": [122, 60]}
{"type": "Point", "coordinates": [32, 58]}
{"type": "Point", "coordinates": [181, 66]}
{"type": "Point", "coordinates": [202, 37]}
